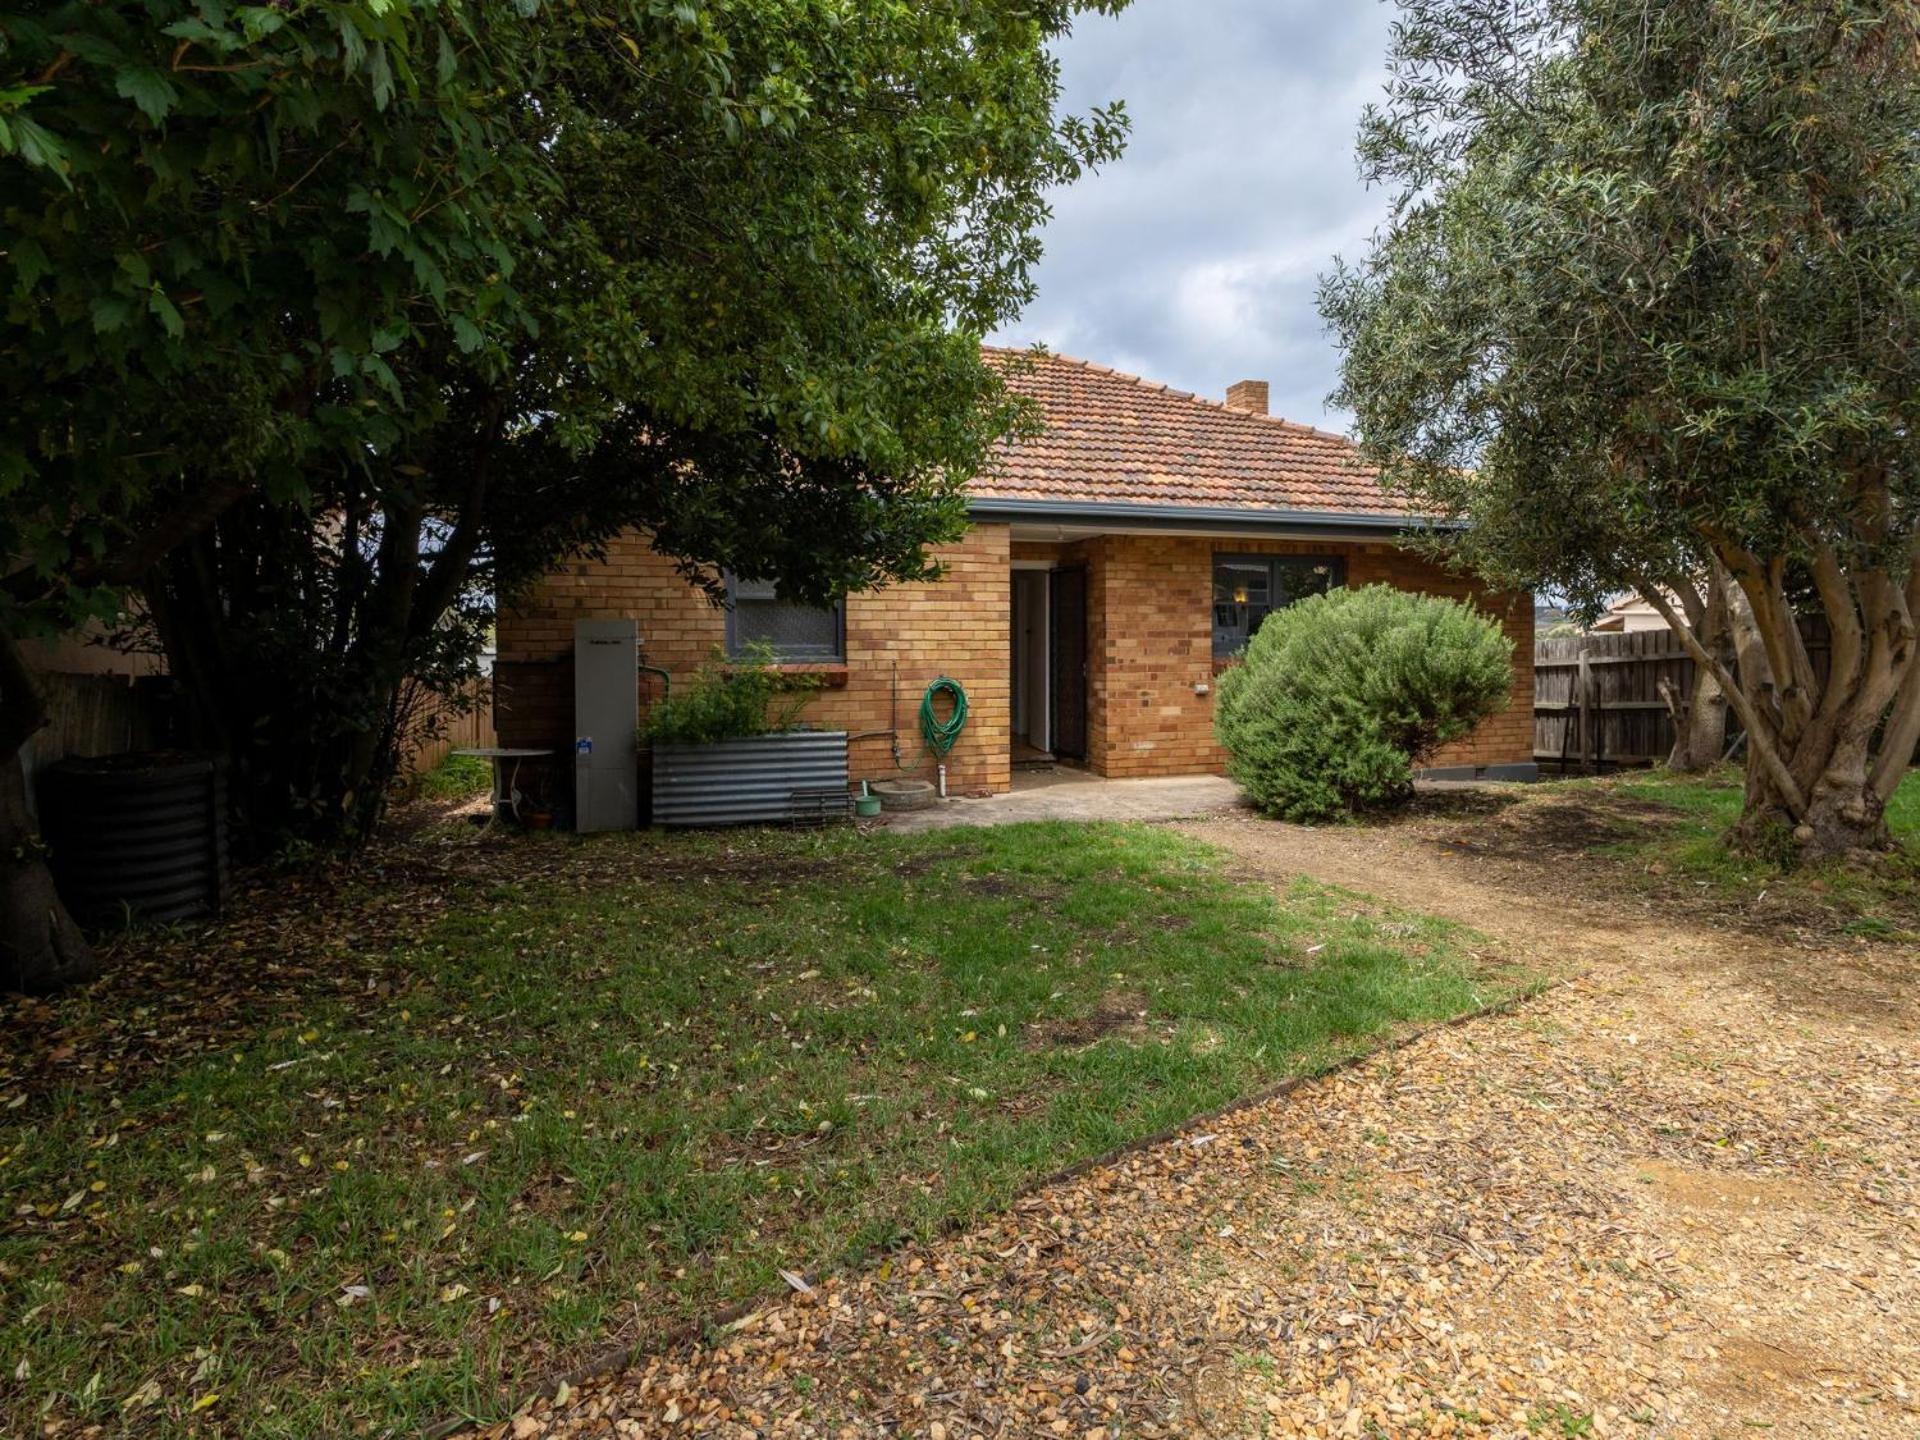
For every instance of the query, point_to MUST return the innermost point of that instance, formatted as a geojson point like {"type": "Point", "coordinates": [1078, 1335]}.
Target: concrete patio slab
{"type": "Point", "coordinates": [1065, 794]}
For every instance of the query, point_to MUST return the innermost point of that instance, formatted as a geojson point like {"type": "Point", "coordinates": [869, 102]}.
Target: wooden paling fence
{"type": "Point", "coordinates": [443, 728]}
{"type": "Point", "coordinates": [93, 715]}
{"type": "Point", "coordinates": [1597, 701]}
{"type": "Point", "coordinates": [108, 714]}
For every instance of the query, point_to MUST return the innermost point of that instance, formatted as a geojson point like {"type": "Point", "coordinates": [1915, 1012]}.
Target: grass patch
{"type": "Point", "coordinates": [593, 1105]}
{"type": "Point", "coordinates": [1878, 900]}
{"type": "Point", "coordinates": [457, 777]}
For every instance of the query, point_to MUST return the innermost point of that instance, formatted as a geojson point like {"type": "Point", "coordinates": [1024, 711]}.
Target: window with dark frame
{"type": "Point", "coordinates": [1248, 588]}
{"type": "Point", "coordinates": [797, 634]}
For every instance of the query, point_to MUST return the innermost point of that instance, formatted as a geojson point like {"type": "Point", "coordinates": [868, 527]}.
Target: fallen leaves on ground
{"type": "Point", "coordinates": [1666, 1200]}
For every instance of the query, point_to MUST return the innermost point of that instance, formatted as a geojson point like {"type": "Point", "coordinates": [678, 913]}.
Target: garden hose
{"type": "Point", "coordinates": [941, 734]}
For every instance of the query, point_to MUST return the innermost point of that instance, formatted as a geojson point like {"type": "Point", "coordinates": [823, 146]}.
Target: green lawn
{"type": "Point", "coordinates": [582, 1108]}
{"type": "Point", "coordinates": [457, 777]}
{"type": "Point", "coordinates": [1880, 900]}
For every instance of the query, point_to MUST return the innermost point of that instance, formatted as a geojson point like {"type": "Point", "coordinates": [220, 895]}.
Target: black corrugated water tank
{"type": "Point", "coordinates": [136, 836]}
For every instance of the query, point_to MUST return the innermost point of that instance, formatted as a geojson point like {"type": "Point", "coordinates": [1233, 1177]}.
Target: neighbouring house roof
{"type": "Point", "coordinates": [1114, 442]}
{"type": "Point", "coordinates": [1630, 613]}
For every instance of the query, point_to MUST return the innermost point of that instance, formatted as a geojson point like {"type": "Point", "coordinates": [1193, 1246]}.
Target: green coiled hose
{"type": "Point", "coordinates": [939, 734]}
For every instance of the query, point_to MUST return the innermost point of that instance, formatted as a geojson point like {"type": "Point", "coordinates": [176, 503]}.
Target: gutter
{"type": "Point", "coordinates": [1116, 516]}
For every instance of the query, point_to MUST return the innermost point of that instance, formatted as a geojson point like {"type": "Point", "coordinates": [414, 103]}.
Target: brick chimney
{"type": "Point", "coordinates": [1248, 395]}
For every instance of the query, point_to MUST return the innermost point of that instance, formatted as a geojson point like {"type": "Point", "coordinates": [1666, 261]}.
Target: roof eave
{"type": "Point", "coordinates": [1252, 520]}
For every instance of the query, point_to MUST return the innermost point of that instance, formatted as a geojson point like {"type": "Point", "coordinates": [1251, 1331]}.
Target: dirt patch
{"type": "Point", "coordinates": [917, 865]}
{"type": "Point", "coordinates": [1541, 829]}
{"type": "Point", "coordinates": [756, 869]}
{"type": "Point", "coordinates": [997, 886]}
{"type": "Point", "coordinates": [1117, 1011]}
{"type": "Point", "coordinates": [1751, 1372]}
{"type": "Point", "coordinates": [1450, 801]}
{"type": "Point", "coordinates": [551, 1196]}
{"type": "Point", "coordinates": [1562, 906]}
{"type": "Point", "coordinates": [1719, 1192]}
{"type": "Point", "coordinates": [991, 887]}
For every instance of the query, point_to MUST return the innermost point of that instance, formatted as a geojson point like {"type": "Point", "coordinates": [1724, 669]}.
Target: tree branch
{"type": "Point", "coordinates": [1902, 735]}
{"type": "Point", "coordinates": [1837, 599]}
{"type": "Point", "coordinates": [450, 568]}
{"type": "Point", "coordinates": [1759, 735]}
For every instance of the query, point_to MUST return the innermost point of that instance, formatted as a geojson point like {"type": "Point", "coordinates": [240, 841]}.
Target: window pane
{"type": "Point", "coordinates": [1247, 589]}
{"type": "Point", "coordinates": [1242, 596]}
{"type": "Point", "coordinates": [795, 632]}
{"type": "Point", "coordinates": [1298, 576]}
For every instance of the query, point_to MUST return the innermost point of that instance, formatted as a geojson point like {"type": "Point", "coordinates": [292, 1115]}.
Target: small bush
{"type": "Point", "coordinates": [1341, 695]}
{"type": "Point", "coordinates": [731, 699]}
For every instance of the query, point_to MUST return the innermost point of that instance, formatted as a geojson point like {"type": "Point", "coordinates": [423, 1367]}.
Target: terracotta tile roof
{"type": "Point", "coordinates": [1115, 439]}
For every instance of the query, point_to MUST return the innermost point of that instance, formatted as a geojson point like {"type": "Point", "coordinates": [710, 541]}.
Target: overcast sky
{"type": "Point", "coordinates": [1194, 259]}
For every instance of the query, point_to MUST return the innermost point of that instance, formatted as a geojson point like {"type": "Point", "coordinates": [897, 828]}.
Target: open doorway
{"type": "Point", "coordinates": [1048, 657]}
{"type": "Point", "coordinates": [1032, 718]}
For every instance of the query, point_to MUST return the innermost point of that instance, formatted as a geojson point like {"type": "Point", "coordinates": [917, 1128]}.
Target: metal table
{"type": "Point", "coordinates": [506, 774]}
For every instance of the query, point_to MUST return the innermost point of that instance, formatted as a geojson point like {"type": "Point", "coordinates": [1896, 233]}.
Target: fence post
{"type": "Point", "coordinates": [1589, 739]}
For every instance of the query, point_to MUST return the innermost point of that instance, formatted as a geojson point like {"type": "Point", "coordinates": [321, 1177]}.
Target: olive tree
{"type": "Point", "coordinates": [1643, 312]}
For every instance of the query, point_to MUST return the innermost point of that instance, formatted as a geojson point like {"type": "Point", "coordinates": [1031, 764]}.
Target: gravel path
{"type": "Point", "coordinates": [1677, 1197]}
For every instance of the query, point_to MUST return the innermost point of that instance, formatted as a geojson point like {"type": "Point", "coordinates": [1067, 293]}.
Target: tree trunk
{"type": "Point", "coordinates": [41, 949]}
{"type": "Point", "coordinates": [1815, 788]}
{"type": "Point", "coordinates": [1700, 720]}
{"type": "Point", "coordinates": [295, 639]}
{"type": "Point", "coordinates": [1700, 723]}
{"type": "Point", "coordinates": [1842, 814]}
{"type": "Point", "coordinates": [1700, 726]}
{"type": "Point", "coordinates": [1840, 807]}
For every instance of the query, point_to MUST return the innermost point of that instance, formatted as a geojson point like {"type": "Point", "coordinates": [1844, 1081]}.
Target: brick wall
{"type": "Point", "coordinates": [1151, 646]}
{"type": "Point", "coordinates": [958, 626]}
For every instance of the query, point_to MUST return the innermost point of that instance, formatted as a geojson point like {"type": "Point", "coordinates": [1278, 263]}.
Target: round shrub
{"type": "Point", "coordinates": [1339, 696]}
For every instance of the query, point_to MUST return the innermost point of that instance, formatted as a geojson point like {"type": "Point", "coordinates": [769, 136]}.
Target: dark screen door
{"type": "Point", "coordinates": [1067, 649]}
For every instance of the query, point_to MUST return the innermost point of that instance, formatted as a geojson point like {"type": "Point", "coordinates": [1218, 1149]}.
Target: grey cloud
{"type": "Point", "coordinates": [1194, 260]}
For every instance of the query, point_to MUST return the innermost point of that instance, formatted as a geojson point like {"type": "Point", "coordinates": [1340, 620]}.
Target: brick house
{"type": "Point", "coordinates": [1113, 566]}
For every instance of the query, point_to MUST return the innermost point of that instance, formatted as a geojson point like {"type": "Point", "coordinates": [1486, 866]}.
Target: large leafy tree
{"type": "Point", "coordinates": [1644, 312]}
{"type": "Point", "coordinates": [537, 274]}
{"type": "Point", "coordinates": [215, 223]}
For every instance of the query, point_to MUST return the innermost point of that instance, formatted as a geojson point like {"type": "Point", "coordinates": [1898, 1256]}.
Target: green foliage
{"type": "Point", "coordinates": [731, 699]}
{"type": "Point", "coordinates": [335, 326]}
{"type": "Point", "coordinates": [1645, 279]}
{"type": "Point", "coordinates": [1879, 900]}
{"type": "Point", "coordinates": [1341, 694]}
{"type": "Point", "coordinates": [221, 226]}
{"type": "Point", "coordinates": [1644, 303]}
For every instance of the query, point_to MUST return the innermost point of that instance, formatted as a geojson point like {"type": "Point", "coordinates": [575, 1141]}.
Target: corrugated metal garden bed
{"type": "Point", "coordinates": [744, 782]}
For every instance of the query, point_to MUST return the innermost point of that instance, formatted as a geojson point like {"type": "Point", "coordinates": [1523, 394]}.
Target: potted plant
{"type": "Point", "coordinates": [729, 746]}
